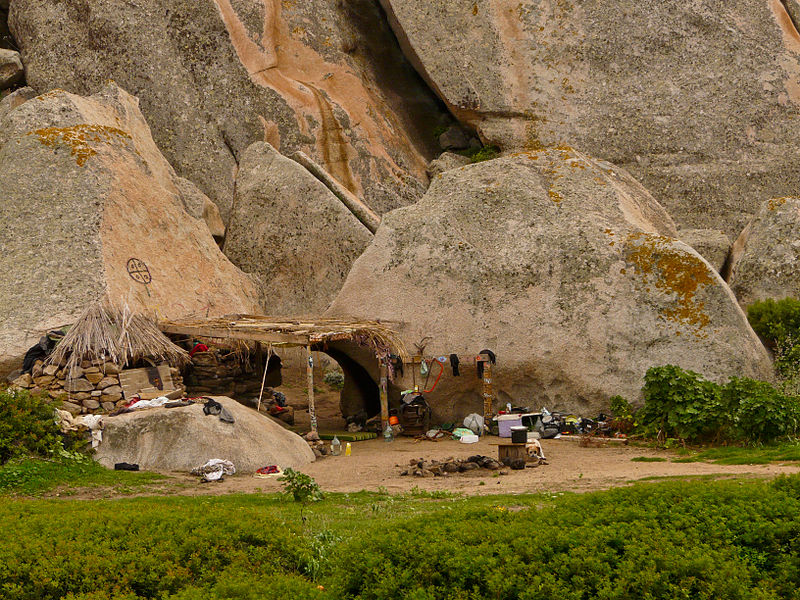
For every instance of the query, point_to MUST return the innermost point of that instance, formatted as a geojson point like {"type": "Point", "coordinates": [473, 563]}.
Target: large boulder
{"type": "Point", "coordinates": [291, 232]}
{"type": "Point", "coordinates": [11, 70]}
{"type": "Point", "coordinates": [91, 208]}
{"type": "Point", "coordinates": [697, 100]}
{"type": "Point", "coordinates": [562, 265]}
{"type": "Point", "coordinates": [711, 244]}
{"type": "Point", "coordinates": [180, 439]}
{"type": "Point", "coordinates": [322, 76]}
{"type": "Point", "coordinates": [765, 260]}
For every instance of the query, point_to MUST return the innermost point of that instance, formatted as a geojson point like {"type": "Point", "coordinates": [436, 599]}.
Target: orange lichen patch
{"type": "Point", "coordinates": [51, 94]}
{"type": "Point", "coordinates": [79, 138]}
{"type": "Point", "coordinates": [774, 203]}
{"type": "Point", "coordinates": [554, 196]}
{"type": "Point", "coordinates": [675, 272]}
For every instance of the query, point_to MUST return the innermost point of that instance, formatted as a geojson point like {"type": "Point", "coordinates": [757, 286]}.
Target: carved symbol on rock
{"type": "Point", "coordinates": [138, 271]}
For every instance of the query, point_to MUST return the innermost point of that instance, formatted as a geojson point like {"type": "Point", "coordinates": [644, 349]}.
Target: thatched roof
{"type": "Point", "coordinates": [280, 331]}
{"type": "Point", "coordinates": [115, 335]}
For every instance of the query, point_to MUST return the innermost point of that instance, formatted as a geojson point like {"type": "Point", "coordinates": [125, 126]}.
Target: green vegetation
{"type": "Point", "coordinates": [778, 324]}
{"type": "Point", "coordinates": [34, 477]}
{"type": "Point", "coordinates": [476, 155]}
{"type": "Point", "coordinates": [28, 426]}
{"type": "Point", "coordinates": [334, 378]}
{"type": "Point", "coordinates": [682, 404]}
{"type": "Point", "coordinates": [775, 320]}
{"type": "Point", "coordinates": [674, 539]}
{"type": "Point", "coordinates": [648, 459]}
{"type": "Point", "coordinates": [744, 455]}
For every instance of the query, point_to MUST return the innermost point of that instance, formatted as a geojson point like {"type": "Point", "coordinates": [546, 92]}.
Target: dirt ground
{"type": "Point", "coordinates": [375, 464]}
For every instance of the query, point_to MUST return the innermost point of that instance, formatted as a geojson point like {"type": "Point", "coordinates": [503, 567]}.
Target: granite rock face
{"type": "Point", "coordinates": [291, 233]}
{"type": "Point", "coordinates": [566, 268]}
{"type": "Point", "coordinates": [697, 100]}
{"type": "Point", "coordinates": [321, 76]}
{"type": "Point", "coordinates": [11, 70]}
{"type": "Point", "coordinates": [15, 99]}
{"type": "Point", "coordinates": [765, 260]}
{"type": "Point", "coordinates": [180, 439]}
{"type": "Point", "coordinates": [90, 209]}
{"type": "Point", "coordinates": [711, 244]}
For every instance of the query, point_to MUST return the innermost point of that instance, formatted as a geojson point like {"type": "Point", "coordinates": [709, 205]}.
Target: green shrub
{"type": "Point", "coordinates": [150, 548]}
{"type": "Point", "coordinates": [778, 324]}
{"type": "Point", "coordinates": [334, 378]}
{"type": "Point", "coordinates": [701, 540]}
{"type": "Point", "coordinates": [620, 407]}
{"type": "Point", "coordinates": [481, 154]}
{"type": "Point", "coordinates": [301, 487]}
{"type": "Point", "coordinates": [680, 403]}
{"type": "Point", "coordinates": [774, 320]}
{"type": "Point", "coordinates": [762, 413]}
{"type": "Point", "coordinates": [27, 425]}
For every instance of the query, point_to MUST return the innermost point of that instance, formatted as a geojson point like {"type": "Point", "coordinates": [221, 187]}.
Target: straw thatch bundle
{"type": "Point", "coordinates": [115, 335]}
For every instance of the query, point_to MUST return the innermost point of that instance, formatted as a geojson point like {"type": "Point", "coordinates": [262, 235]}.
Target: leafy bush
{"type": "Point", "coordinates": [683, 539]}
{"type": "Point", "coordinates": [680, 403]}
{"type": "Point", "coordinates": [701, 540]}
{"type": "Point", "coordinates": [150, 548]}
{"type": "Point", "coordinates": [27, 425]}
{"type": "Point", "coordinates": [683, 405]}
{"type": "Point", "coordinates": [762, 412]}
{"type": "Point", "coordinates": [620, 407]}
{"type": "Point", "coordinates": [300, 486]}
{"type": "Point", "coordinates": [774, 320]}
{"type": "Point", "coordinates": [334, 378]}
{"type": "Point", "coordinates": [778, 323]}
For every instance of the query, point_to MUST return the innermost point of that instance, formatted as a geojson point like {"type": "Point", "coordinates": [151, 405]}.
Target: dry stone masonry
{"type": "Point", "coordinates": [92, 387]}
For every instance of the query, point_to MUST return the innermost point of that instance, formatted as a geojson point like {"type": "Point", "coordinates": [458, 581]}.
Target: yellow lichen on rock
{"type": "Point", "coordinates": [774, 203]}
{"type": "Point", "coordinates": [79, 138]}
{"type": "Point", "coordinates": [676, 272]}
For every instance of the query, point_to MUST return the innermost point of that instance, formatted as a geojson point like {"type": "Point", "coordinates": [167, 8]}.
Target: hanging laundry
{"type": "Point", "coordinates": [454, 362]}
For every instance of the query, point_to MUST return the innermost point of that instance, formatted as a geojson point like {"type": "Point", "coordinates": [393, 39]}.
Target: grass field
{"type": "Point", "coordinates": [744, 455]}
{"type": "Point", "coordinates": [667, 539]}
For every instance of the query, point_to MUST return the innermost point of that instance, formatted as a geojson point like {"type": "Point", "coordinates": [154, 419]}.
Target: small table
{"type": "Point", "coordinates": [511, 450]}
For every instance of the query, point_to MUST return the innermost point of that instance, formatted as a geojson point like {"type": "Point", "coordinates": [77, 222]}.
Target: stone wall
{"type": "Point", "coordinates": [93, 387]}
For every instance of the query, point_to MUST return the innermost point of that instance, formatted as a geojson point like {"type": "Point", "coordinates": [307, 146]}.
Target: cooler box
{"type": "Point", "coordinates": [506, 422]}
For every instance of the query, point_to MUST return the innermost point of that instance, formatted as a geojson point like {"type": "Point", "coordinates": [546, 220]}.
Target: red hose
{"type": "Point", "coordinates": [441, 370]}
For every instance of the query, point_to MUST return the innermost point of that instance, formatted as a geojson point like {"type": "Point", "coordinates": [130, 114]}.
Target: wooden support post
{"type": "Point", "coordinates": [264, 378]}
{"type": "Point", "coordinates": [312, 412]}
{"type": "Point", "coordinates": [384, 397]}
{"type": "Point", "coordinates": [488, 394]}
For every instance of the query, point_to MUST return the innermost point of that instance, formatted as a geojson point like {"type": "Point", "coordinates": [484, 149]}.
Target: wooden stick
{"type": "Point", "coordinates": [312, 412]}
{"type": "Point", "coordinates": [264, 378]}
{"type": "Point", "coordinates": [488, 395]}
{"type": "Point", "coordinates": [384, 397]}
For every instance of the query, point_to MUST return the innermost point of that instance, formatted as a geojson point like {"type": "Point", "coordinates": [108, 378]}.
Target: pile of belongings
{"type": "Point", "coordinates": [94, 423]}
{"type": "Point", "coordinates": [214, 469]}
{"type": "Point", "coordinates": [212, 407]}
{"type": "Point", "coordinates": [268, 472]}
{"type": "Point", "coordinates": [550, 425]}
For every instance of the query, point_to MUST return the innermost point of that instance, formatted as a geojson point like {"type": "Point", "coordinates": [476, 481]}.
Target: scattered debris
{"type": "Point", "coordinates": [214, 469]}
{"type": "Point", "coordinates": [435, 468]}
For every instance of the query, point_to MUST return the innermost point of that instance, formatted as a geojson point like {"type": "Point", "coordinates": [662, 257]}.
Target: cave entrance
{"type": "Point", "coordinates": [360, 348]}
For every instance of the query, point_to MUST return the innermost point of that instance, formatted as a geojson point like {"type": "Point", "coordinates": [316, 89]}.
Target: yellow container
{"type": "Point", "coordinates": [348, 449]}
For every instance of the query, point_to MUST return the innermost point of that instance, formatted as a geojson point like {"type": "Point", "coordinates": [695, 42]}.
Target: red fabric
{"type": "Point", "coordinates": [201, 347]}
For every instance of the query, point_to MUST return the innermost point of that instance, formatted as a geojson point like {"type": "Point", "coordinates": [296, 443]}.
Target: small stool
{"type": "Point", "coordinates": [510, 450]}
